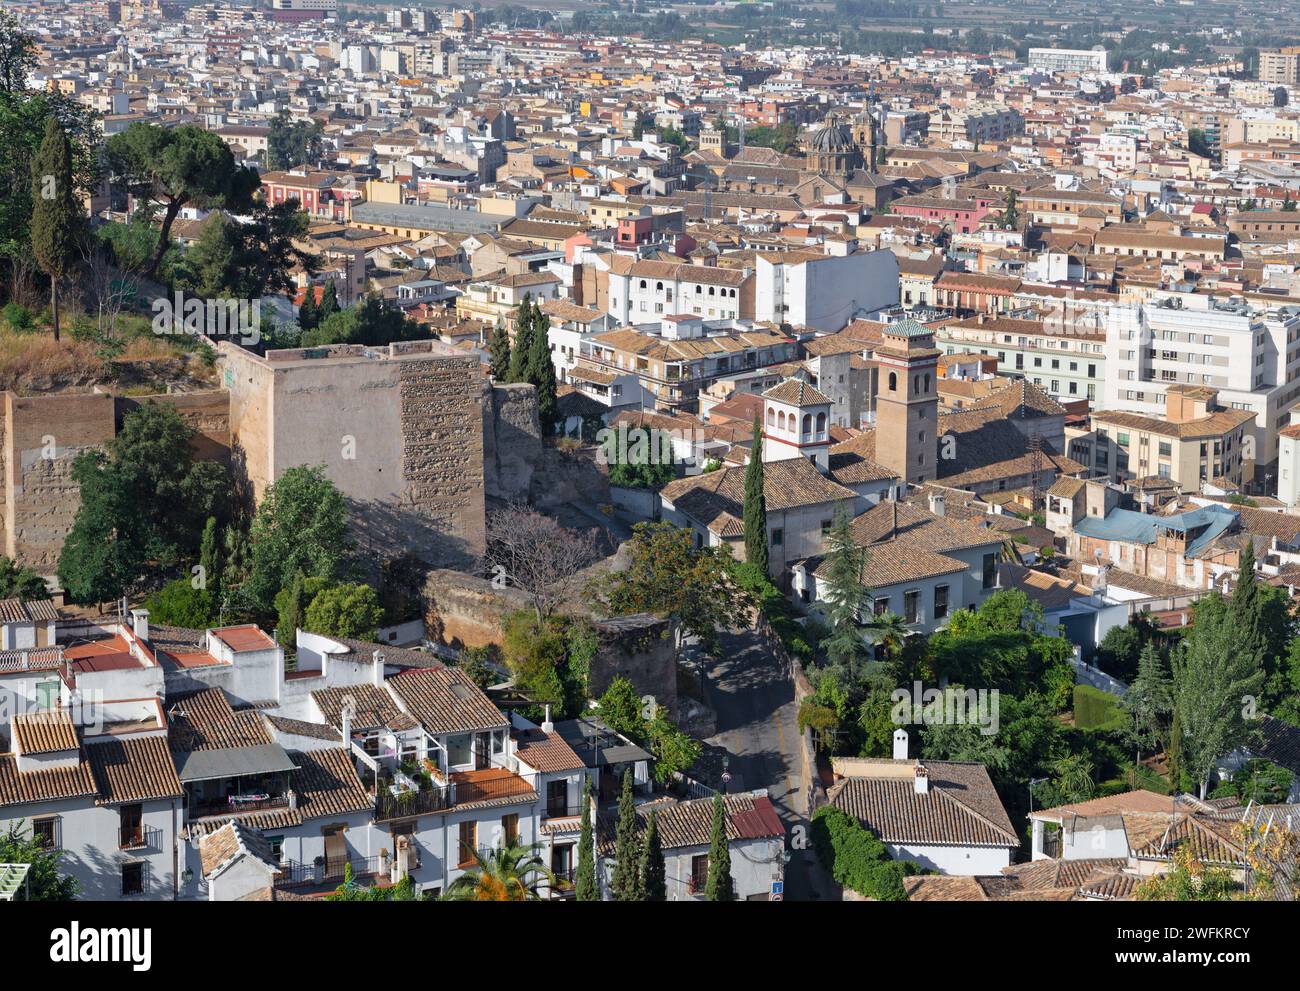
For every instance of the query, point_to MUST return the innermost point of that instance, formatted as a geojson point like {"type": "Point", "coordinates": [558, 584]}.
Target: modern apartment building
{"type": "Point", "coordinates": [1280, 65]}
{"type": "Point", "coordinates": [1065, 365]}
{"type": "Point", "coordinates": [1069, 59]}
{"type": "Point", "coordinates": [1248, 353]}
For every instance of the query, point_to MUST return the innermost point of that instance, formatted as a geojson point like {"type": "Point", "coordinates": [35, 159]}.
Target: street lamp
{"type": "Point", "coordinates": [726, 774]}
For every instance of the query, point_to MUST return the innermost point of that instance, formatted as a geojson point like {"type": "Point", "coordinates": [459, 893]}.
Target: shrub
{"type": "Point", "coordinates": [19, 318]}
{"type": "Point", "coordinates": [178, 603]}
{"type": "Point", "coordinates": [856, 858]}
{"type": "Point", "coordinates": [1097, 710]}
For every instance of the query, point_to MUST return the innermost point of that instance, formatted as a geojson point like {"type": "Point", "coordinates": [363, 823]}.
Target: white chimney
{"type": "Point", "coordinates": [140, 624]}
{"type": "Point", "coordinates": [345, 713]}
{"type": "Point", "coordinates": [547, 725]}
{"type": "Point", "coordinates": [377, 675]}
{"type": "Point", "coordinates": [922, 779]}
{"type": "Point", "coordinates": [936, 503]}
{"type": "Point", "coordinates": [900, 744]}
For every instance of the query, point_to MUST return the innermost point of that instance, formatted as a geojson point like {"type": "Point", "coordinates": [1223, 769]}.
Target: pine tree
{"type": "Point", "coordinates": [521, 349]}
{"type": "Point", "coordinates": [845, 593]}
{"type": "Point", "coordinates": [1149, 700]}
{"type": "Point", "coordinates": [541, 372]}
{"type": "Point", "coordinates": [586, 888]}
{"type": "Point", "coordinates": [627, 847]}
{"type": "Point", "coordinates": [56, 219]}
{"type": "Point", "coordinates": [499, 350]}
{"type": "Point", "coordinates": [654, 885]}
{"type": "Point", "coordinates": [755, 509]}
{"type": "Point", "coordinates": [719, 887]}
{"type": "Point", "coordinates": [308, 317]}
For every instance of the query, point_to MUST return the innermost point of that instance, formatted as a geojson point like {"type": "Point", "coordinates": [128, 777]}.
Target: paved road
{"type": "Point", "coordinates": [758, 734]}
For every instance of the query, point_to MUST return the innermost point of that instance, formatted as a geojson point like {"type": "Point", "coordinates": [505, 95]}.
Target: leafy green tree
{"type": "Point", "coordinates": [719, 886]}
{"type": "Point", "coordinates": [301, 526]}
{"type": "Point", "coordinates": [654, 882]}
{"type": "Point", "coordinates": [56, 217]}
{"type": "Point", "coordinates": [18, 581]}
{"type": "Point", "coordinates": [329, 301]}
{"type": "Point", "coordinates": [585, 886]}
{"type": "Point", "coordinates": [670, 576]}
{"type": "Point", "coordinates": [179, 603]}
{"type": "Point", "coordinates": [626, 881]}
{"type": "Point", "coordinates": [179, 166]}
{"type": "Point", "coordinates": [143, 504]}
{"type": "Point", "coordinates": [499, 350]}
{"type": "Point", "coordinates": [291, 143]}
{"type": "Point", "coordinates": [620, 708]}
{"type": "Point", "coordinates": [673, 750]}
{"type": "Point", "coordinates": [755, 508]}
{"type": "Point", "coordinates": [248, 260]}
{"type": "Point", "coordinates": [1010, 217]}
{"type": "Point", "coordinates": [1074, 777]}
{"type": "Point", "coordinates": [638, 460]}
{"type": "Point", "coordinates": [1216, 675]}
{"type": "Point", "coordinates": [347, 610]}
{"type": "Point", "coordinates": [1189, 880]}
{"type": "Point", "coordinates": [44, 881]}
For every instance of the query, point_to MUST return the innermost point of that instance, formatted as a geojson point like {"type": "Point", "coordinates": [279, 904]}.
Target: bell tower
{"type": "Point", "coordinates": [907, 402]}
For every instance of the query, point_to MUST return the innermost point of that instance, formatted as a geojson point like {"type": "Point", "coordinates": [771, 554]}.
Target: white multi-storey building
{"type": "Point", "coordinates": [1250, 353]}
{"type": "Point", "coordinates": [1068, 59]}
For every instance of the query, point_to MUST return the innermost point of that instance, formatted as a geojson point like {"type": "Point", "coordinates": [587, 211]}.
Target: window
{"type": "Point", "coordinates": [46, 833]}
{"type": "Point", "coordinates": [47, 694]}
{"type": "Point", "coordinates": [133, 878]}
{"type": "Point", "coordinates": [778, 537]}
{"type": "Point", "coordinates": [880, 606]}
{"type": "Point", "coordinates": [468, 843]}
{"type": "Point", "coordinates": [699, 873]}
{"type": "Point", "coordinates": [276, 843]}
{"type": "Point", "coordinates": [990, 570]}
{"type": "Point", "coordinates": [940, 601]}
{"type": "Point", "coordinates": [912, 606]}
{"type": "Point", "coordinates": [826, 528]}
{"type": "Point", "coordinates": [131, 821]}
{"type": "Point", "coordinates": [510, 829]}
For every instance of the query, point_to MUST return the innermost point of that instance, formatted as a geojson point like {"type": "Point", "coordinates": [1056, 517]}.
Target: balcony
{"type": "Point", "coordinates": [139, 838]}
{"type": "Point", "coordinates": [329, 874]}
{"type": "Point", "coordinates": [411, 803]}
{"type": "Point", "coordinates": [487, 785]}
{"type": "Point", "coordinates": [562, 810]}
{"type": "Point", "coordinates": [237, 805]}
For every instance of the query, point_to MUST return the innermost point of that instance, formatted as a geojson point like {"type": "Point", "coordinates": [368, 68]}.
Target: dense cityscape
{"type": "Point", "coordinates": [640, 452]}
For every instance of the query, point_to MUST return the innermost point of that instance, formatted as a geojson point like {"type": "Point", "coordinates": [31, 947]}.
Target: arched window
{"type": "Point", "coordinates": [807, 423]}
{"type": "Point", "coordinates": [659, 287]}
{"type": "Point", "coordinates": [780, 420]}
{"type": "Point", "coordinates": [927, 381]}
{"type": "Point", "coordinates": [711, 291]}
{"type": "Point", "coordinates": [643, 283]}
{"type": "Point", "coordinates": [893, 381]}
{"type": "Point", "coordinates": [916, 383]}
{"type": "Point", "coordinates": [733, 294]}
{"type": "Point", "coordinates": [699, 289]}
{"type": "Point", "coordinates": [821, 422]}
{"type": "Point", "coordinates": [771, 417]}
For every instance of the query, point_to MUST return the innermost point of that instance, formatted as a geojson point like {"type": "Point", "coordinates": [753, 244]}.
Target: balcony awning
{"type": "Point", "coordinates": [234, 762]}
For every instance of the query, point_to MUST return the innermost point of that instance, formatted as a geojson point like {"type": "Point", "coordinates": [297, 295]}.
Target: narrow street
{"type": "Point", "coordinates": [758, 735]}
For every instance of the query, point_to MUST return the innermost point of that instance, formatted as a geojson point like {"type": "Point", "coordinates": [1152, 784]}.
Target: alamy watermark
{"type": "Point", "coordinates": [946, 706]}
{"type": "Point", "coordinates": [235, 318]}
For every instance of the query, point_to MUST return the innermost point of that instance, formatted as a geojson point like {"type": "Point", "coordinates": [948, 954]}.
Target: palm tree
{"type": "Point", "coordinates": [889, 630]}
{"type": "Point", "coordinates": [506, 874]}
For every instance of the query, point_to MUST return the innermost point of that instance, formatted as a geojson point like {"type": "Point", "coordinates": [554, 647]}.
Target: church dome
{"type": "Point", "coordinates": [831, 138]}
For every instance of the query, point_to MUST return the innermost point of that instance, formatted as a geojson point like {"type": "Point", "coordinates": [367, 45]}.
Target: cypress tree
{"type": "Point", "coordinates": [654, 887]}
{"type": "Point", "coordinates": [521, 349]}
{"type": "Point", "coordinates": [1174, 752]}
{"type": "Point", "coordinates": [210, 558]}
{"type": "Point", "coordinates": [329, 302]}
{"type": "Point", "coordinates": [499, 351]}
{"type": "Point", "coordinates": [1248, 605]}
{"type": "Point", "coordinates": [585, 883]}
{"type": "Point", "coordinates": [627, 848]}
{"type": "Point", "coordinates": [55, 214]}
{"type": "Point", "coordinates": [542, 371]}
{"type": "Point", "coordinates": [719, 887]}
{"type": "Point", "coordinates": [308, 318]}
{"type": "Point", "coordinates": [755, 511]}
{"type": "Point", "coordinates": [291, 616]}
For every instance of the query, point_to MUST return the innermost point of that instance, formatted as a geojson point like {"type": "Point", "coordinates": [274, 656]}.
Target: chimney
{"type": "Point", "coordinates": [547, 725]}
{"type": "Point", "coordinates": [378, 674]}
{"type": "Point", "coordinates": [922, 780]}
{"type": "Point", "coordinates": [345, 714]}
{"type": "Point", "coordinates": [140, 624]}
{"type": "Point", "coordinates": [937, 503]}
{"type": "Point", "coordinates": [900, 744]}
